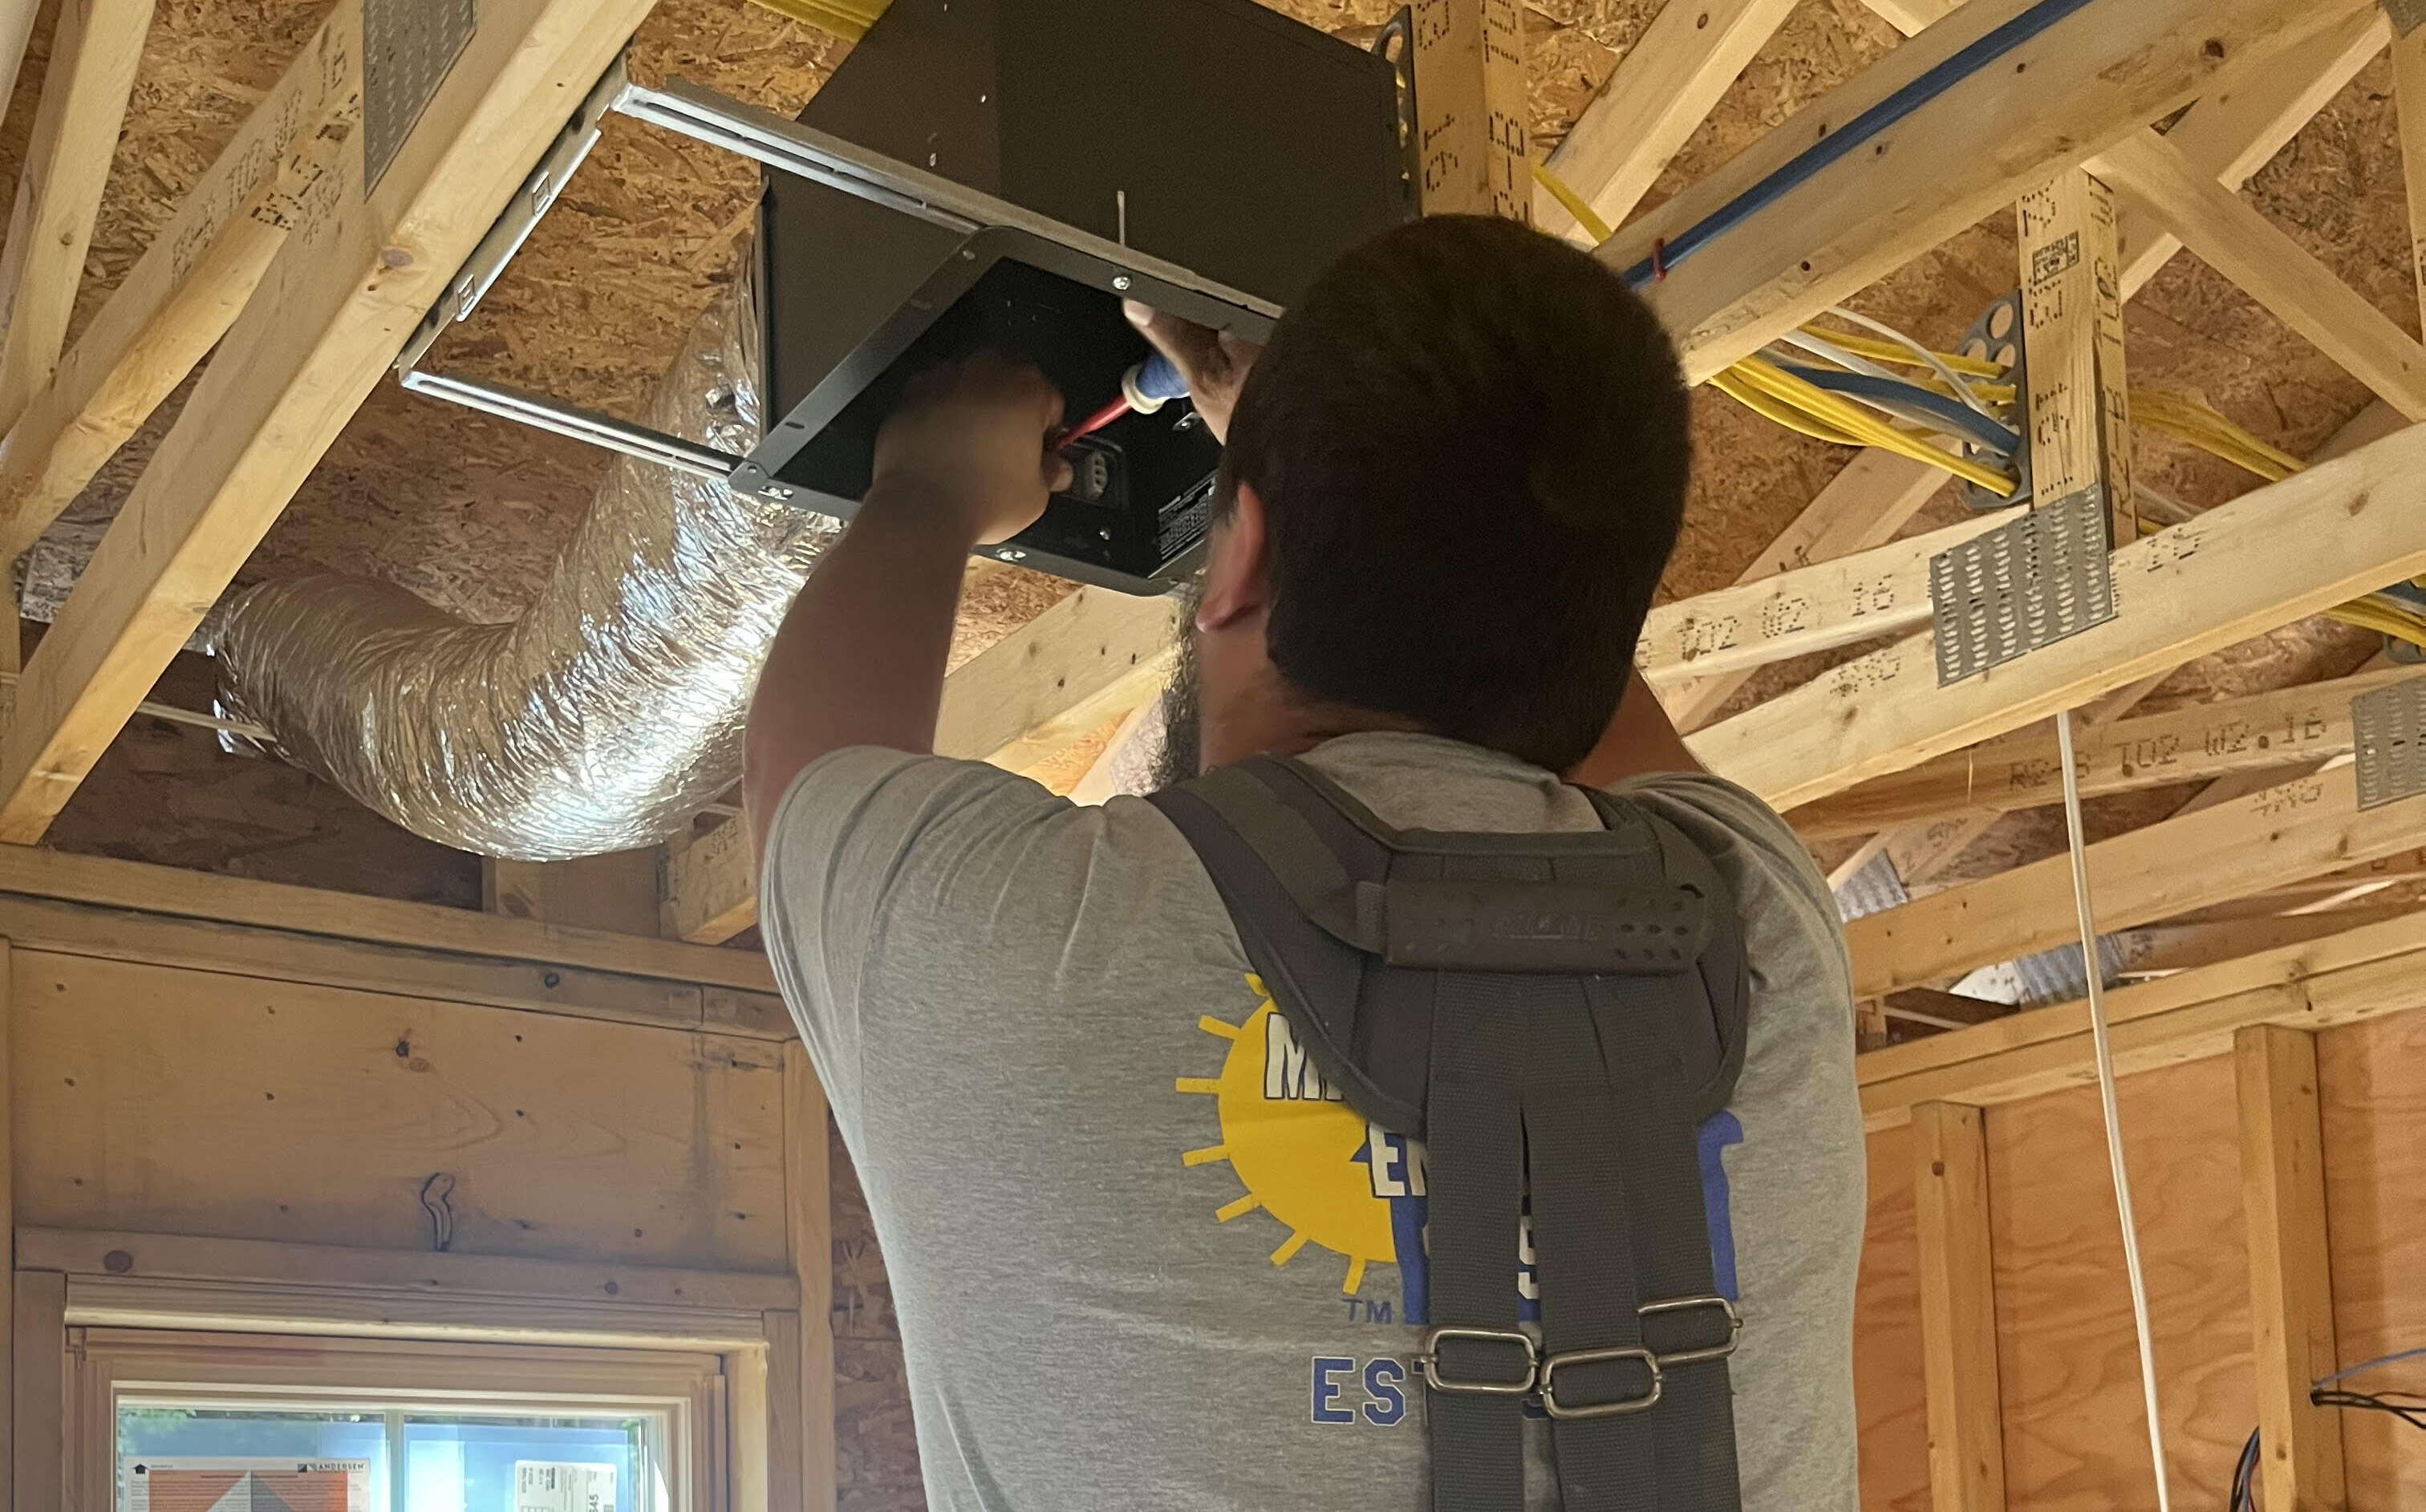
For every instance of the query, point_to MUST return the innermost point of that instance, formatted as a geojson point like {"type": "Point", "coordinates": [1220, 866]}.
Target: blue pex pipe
{"type": "Point", "coordinates": [1157, 378]}
{"type": "Point", "coordinates": [1953, 413]}
{"type": "Point", "coordinates": [1837, 145]}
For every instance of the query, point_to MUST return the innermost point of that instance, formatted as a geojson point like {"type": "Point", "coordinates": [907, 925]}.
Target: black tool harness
{"type": "Point", "coordinates": [1555, 1015]}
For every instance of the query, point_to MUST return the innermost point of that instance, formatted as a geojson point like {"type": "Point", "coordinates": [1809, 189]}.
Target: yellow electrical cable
{"type": "Point", "coordinates": [1846, 416]}
{"type": "Point", "coordinates": [1887, 351]}
{"type": "Point", "coordinates": [1728, 384]}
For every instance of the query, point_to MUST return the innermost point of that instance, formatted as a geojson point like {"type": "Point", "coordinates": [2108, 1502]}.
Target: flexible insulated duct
{"type": "Point", "coordinates": [605, 717]}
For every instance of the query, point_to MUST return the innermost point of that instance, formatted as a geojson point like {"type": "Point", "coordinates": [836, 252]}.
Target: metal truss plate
{"type": "Point", "coordinates": [2390, 727]}
{"type": "Point", "coordinates": [2021, 586]}
{"type": "Point", "coordinates": [407, 46]}
{"type": "Point", "coordinates": [2407, 15]}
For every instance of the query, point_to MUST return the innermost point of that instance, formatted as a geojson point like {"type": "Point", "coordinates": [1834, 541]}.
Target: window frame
{"type": "Point", "coordinates": [680, 1394]}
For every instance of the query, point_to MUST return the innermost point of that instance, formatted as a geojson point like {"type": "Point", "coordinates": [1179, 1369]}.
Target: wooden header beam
{"type": "Point", "coordinates": [2195, 587]}
{"type": "Point", "coordinates": [2057, 98]}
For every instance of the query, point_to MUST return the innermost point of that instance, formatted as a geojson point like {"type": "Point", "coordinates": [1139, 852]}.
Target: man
{"type": "Point", "coordinates": [1142, 1256]}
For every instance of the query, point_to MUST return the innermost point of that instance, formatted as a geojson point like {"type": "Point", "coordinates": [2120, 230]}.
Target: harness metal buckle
{"type": "Point", "coordinates": [1429, 1360]}
{"type": "Point", "coordinates": [1688, 1303]}
{"type": "Point", "coordinates": [1622, 1405]}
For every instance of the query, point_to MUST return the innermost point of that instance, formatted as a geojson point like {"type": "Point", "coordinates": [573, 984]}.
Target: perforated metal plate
{"type": "Point", "coordinates": [407, 46]}
{"type": "Point", "coordinates": [2022, 586]}
{"type": "Point", "coordinates": [2391, 724]}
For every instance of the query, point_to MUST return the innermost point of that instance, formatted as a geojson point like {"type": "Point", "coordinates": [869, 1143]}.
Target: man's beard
{"type": "Point", "coordinates": [1180, 756]}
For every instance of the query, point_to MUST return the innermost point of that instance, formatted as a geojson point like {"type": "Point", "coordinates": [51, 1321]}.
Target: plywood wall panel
{"type": "Point", "coordinates": [1887, 1386]}
{"type": "Point", "coordinates": [2074, 1424]}
{"type": "Point", "coordinates": [154, 1099]}
{"type": "Point", "coordinates": [2372, 1081]}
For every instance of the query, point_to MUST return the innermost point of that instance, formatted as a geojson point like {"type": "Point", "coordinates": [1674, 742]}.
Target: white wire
{"type": "Point", "coordinates": [2104, 1052]}
{"type": "Point", "coordinates": [1962, 390]}
{"type": "Point", "coordinates": [1849, 361]}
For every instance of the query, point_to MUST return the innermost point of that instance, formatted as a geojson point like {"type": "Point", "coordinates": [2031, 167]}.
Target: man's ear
{"type": "Point", "coordinates": [1234, 583]}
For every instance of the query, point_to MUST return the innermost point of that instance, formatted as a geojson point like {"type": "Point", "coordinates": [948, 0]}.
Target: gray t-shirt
{"type": "Point", "coordinates": [1142, 1256]}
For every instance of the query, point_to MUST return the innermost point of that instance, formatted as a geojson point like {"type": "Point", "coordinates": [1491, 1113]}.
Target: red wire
{"type": "Point", "coordinates": [1094, 422]}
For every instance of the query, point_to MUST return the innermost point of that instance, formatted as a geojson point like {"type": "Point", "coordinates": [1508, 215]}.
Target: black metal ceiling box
{"type": "Point", "coordinates": [1242, 147]}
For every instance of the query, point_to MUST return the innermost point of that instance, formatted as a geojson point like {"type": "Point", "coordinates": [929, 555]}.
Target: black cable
{"type": "Point", "coordinates": [2243, 1475]}
{"type": "Point", "coordinates": [2409, 1407]}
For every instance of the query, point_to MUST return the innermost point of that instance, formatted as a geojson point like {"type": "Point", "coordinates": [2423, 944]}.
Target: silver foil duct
{"type": "Point", "coordinates": [606, 716]}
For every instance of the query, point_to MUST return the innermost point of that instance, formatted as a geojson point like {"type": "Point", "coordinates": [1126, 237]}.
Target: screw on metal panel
{"type": "Point", "coordinates": [1121, 283]}
{"type": "Point", "coordinates": [776, 491]}
{"type": "Point", "coordinates": [1009, 555]}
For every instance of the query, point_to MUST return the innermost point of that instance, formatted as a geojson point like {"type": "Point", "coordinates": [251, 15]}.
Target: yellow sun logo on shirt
{"type": "Point", "coordinates": [1301, 1153]}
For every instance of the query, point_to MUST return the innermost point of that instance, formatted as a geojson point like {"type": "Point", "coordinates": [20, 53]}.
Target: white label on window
{"type": "Point", "coordinates": [546, 1486]}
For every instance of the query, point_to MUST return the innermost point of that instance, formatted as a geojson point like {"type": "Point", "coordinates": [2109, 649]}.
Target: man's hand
{"type": "Point", "coordinates": [1214, 362]}
{"type": "Point", "coordinates": [969, 439]}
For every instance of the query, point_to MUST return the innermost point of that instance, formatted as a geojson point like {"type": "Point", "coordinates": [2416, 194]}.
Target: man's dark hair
{"type": "Point", "coordinates": [1470, 439]}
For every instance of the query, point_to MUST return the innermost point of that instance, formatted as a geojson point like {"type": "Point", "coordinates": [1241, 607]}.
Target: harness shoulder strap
{"type": "Point", "coordinates": [1555, 1015]}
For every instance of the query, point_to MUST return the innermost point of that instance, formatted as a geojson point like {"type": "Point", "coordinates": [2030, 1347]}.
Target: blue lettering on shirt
{"type": "Point", "coordinates": [1326, 1391]}
{"type": "Point", "coordinates": [1384, 1385]}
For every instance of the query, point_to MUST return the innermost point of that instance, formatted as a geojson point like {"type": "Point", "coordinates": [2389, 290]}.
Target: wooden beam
{"type": "Point", "coordinates": [2358, 975]}
{"type": "Point", "coordinates": [2235, 130]}
{"type": "Point", "coordinates": [2264, 732]}
{"type": "Point", "coordinates": [1958, 1309]}
{"type": "Point", "coordinates": [2291, 1267]}
{"type": "Point", "coordinates": [38, 1375]}
{"type": "Point", "coordinates": [1863, 507]}
{"type": "Point", "coordinates": [1911, 17]}
{"type": "Point", "coordinates": [2232, 130]}
{"type": "Point", "coordinates": [808, 1193]}
{"type": "Point", "coordinates": [2072, 319]}
{"type": "Point", "coordinates": [94, 49]}
{"type": "Point", "coordinates": [287, 1262]}
{"type": "Point", "coordinates": [2234, 239]}
{"type": "Point", "coordinates": [356, 274]}
{"type": "Point", "coordinates": [162, 321]}
{"type": "Point", "coordinates": [2088, 80]}
{"type": "Point", "coordinates": [1942, 1010]}
{"type": "Point", "coordinates": [615, 893]}
{"type": "Point", "coordinates": [2409, 94]}
{"type": "Point", "coordinates": [2161, 949]}
{"type": "Point", "coordinates": [1876, 592]}
{"type": "Point", "coordinates": [1470, 104]}
{"type": "Point", "coordinates": [1653, 102]}
{"type": "Point", "coordinates": [101, 882]}
{"type": "Point", "coordinates": [2305, 827]}
{"type": "Point", "coordinates": [1020, 700]}
{"type": "Point", "coordinates": [2193, 588]}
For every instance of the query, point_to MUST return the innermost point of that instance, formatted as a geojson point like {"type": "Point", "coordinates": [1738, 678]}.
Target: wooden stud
{"type": "Point", "coordinates": [93, 53]}
{"type": "Point", "coordinates": [2234, 239]}
{"type": "Point", "coordinates": [38, 1373]}
{"type": "Point", "coordinates": [357, 272]}
{"type": "Point", "coordinates": [2161, 949]}
{"type": "Point", "coordinates": [157, 325]}
{"type": "Point", "coordinates": [615, 893]}
{"type": "Point", "coordinates": [2409, 92]}
{"type": "Point", "coordinates": [2235, 130]}
{"type": "Point", "coordinates": [1942, 1010]}
{"type": "Point", "coordinates": [2056, 99]}
{"type": "Point", "coordinates": [2301, 827]}
{"type": "Point", "coordinates": [1958, 1309]}
{"type": "Point", "coordinates": [2071, 318]}
{"type": "Point", "coordinates": [1470, 99]}
{"type": "Point", "coordinates": [2262, 733]}
{"type": "Point", "coordinates": [1912, 17]}
{"type": "Point", "coordinates": [787, 1411]}
{"type": "Point", "coordinates": [808, 1195]}
{"type": "Point", "coordinates": [2189, 589]}
{"type": "Point", "coordinates": [1656, 98]}
{"type": "Point", "coordinates": [17, 19]}
{"type": "Point", "coordinates": [2291, 1270]}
